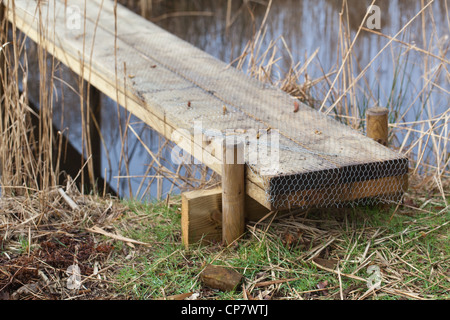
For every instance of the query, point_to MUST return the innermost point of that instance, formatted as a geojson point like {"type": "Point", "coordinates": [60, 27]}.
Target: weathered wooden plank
{"type": "Point", "coordinates": [347, 146]}
{"type": "Point", "coordinates": [99, 73]}
{"type": "Point", "coordinates": [171, 85]}
{"type": "Point", "coordinates": [255, 100]}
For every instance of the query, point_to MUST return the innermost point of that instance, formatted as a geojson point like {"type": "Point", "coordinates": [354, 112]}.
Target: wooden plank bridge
{"type": "Point", "coordinates": [173, 87]}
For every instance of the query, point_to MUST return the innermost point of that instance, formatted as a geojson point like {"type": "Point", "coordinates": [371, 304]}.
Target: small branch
{"type": "Point", "coordinates": [68, 200]}
{"type": "Point", "coordinates": [268, 283]}
{"type": "Point", "coordinates": [128, 241]}
{"type": "Point", "coordinates": [340, 273]}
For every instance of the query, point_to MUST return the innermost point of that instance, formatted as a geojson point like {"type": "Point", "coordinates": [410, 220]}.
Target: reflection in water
{"type": "Point", "coordinates": [299, 27]}
{"type": "Point", "coordinates": [308, 25]}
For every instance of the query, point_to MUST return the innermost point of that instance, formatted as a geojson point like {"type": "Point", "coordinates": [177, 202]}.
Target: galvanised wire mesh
{"type": "Point", "coordinates": [298, 156]}
{"type": "Point", "coordinates": [301, 156]}
{"type": "Point", "coordinates": [295, 155]}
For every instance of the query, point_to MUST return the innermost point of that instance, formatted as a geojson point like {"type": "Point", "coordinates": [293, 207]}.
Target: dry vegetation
{"type": "Point", "coordinates": [306, 255]}
{"type": "Point", "coordinates": [41, 239]}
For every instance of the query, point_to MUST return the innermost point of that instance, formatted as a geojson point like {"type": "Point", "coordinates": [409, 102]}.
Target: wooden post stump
{"type": "Point", "coordinates": [233, 191]}
{"type": "Point", "coordinates": [377, 124]}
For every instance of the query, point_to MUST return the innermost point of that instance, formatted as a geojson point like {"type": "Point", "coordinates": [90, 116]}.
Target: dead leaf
{"type": "Point", "coordinates": [288, 240]}
{"type": "Point", "coordinates": [327, 263]}
{"type": "Point", "coordinates": [74, 280]}
{"type": "Point", "coordinates": [181, 296]}
{"type": "Point", "coordinates": [25, 289]}
{"type": "Point", "coordinates": [194, 296]}
{"type": "Point", "coordinates": [410, 202]}
{"type": "Point", "coordinates": [322, 285]}
{"type": "Point", "coordinates": [291, 240]}
{"type": "Point", "coordinates": [4, 295]}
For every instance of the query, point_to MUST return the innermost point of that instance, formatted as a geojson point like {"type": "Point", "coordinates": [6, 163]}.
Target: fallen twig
{"type": "Point", "coordinates": [129, 241]}
{"type": "Point", "coordinates": [68, 200]}
{"type": "Point", "coordinates": [340, 273]}
{"type": "Point", "coordinates": [268, 283]}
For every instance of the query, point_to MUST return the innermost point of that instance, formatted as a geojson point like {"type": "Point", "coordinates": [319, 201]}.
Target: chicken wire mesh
{"type": "Point", "coordinates": [298, 156]}
{"type": "Point", "coordinates": [295, 155]}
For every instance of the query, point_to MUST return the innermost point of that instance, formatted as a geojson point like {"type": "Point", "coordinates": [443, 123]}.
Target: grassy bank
{"type": "Point", "coordinates": [320, 254]}
{"type": "Point", "coordinates": [309, 255]}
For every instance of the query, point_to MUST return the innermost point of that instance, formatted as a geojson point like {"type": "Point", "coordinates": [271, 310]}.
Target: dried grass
{"type": "Point", "coordinates": [41, 239]}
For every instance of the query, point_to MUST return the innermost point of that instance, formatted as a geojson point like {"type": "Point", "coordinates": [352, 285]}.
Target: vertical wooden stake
{"type": "Point", "coordinates": [146, 8]}
{"type": "Point", "coordinates": [377, 124]}
{"type": "Point", "coordinates": [159, 187]}
{"type": "Point", "coordinates": [95, 107]}
{"type": "Point", "coordinates": [233, 191]}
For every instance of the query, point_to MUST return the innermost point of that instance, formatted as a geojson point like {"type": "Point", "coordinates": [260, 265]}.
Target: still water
{"type": "Point", "coordinates": [296, 30]}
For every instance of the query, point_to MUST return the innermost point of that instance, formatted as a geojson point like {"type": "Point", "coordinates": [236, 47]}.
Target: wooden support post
{"type": "Point", "coordinates": [95, 108]}
{"type": "Point", "coordinates": [233, 191]}
{"type": "Point", "coordinates": [201, 215]}
{"type": "Point", "coordinates": [377, 124]}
